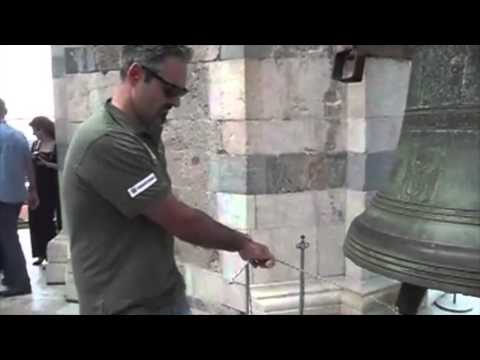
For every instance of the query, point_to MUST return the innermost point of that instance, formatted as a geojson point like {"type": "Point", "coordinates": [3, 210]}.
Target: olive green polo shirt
{"type": "Point", "coordinates": [114, 169]}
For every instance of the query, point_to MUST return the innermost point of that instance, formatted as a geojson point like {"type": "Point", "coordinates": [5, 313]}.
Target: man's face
{"type": "Point", "coordinates": [153, 100]}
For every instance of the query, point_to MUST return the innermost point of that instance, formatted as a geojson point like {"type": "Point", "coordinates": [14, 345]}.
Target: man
{"type": "Point", "coordinates": [15, 167]}
{"type": "Point", "coordinates": [120, 210]}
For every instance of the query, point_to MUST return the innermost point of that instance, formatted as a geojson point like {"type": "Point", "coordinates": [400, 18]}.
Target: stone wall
{"type": "Point", "coordinates": [282, 171]}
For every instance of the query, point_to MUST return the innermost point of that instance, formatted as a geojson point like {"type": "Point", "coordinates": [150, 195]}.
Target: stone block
{"type": "Point", "coordinates": [356, 273]}
{"type": "Point", "coordinates": [356, 135]}
{"type": "Point", "coordinates": [259, 51]}
{"type": "Point", "coordinates": [204, 53]}
{"type": "Point", "coordinates": [234, 137]}
{"type": "Point", "coordinates": [331, 261]}
{"type": "Point", "coordinates": [77, 92]}
{"type": "Point", "coordinates": [231, 264]}
{"type": "Point", "coordinates": [378, 168]}
{"type": "Point", "coordinates": [336, 135]}
{"type": "Point", "coordinates": [297, 172]}
{"type": "Point", "coordinates": [329, 206]}
{"type": "Point", "coordinates": [195, 255]}
{"type": "Point", "coordinates": [287, 89]}
{"type": "Point", "coordinates": [287, 173]}
{"type": "Point", "coordinates": [227, 90]}
{"type": "Point", "coordinates": [79, 60]}
{"type": "Point", "coordinates": [58, 249]}
{"type": "Point", "coordinates": [337, 169]}
{"type": "Point", "coordinates": [71, 294]}
{"type": "Point", "coordinates": [228, 174]}
{"type": "Point", "coordinates": [373, 294]}
{"type": "Point", "coordinates": [276, 137]}
{"type": "Point", "coordinates": [356, 169]}
{"type": "Point", "coordinates": [246, 51]}
{"type": "Point", "coordinates": [200, 138]}
{"type": "Point", "coordinates": [60, 99]}
{"type": "Point", "coordinates": [228, 52]}
{"type": "Point", "coordinates": [383, 134]}
{"type": "Point", "coordinates": [100, 88]}
{"type": "Point", "coordinates": [236, 210]}
{"type": "Point", "coordinates": [107, 57]}
{"type": "Point", "coordinates": [85, 92]}
{"type": "Point", "coordinates": [387, 82]}
{"type": "Point", "coordinates": [355, 205]}
{"type": "Point", "coordinates": [294, 136]}
{"type": "Point", "coordinates": [206, 285]}
{"type": "Point", "coordinates": [356, 101]}
{"type": "Point", "coordinates": [317, 302]}
{"type": "Point", "coordinates": [285, 51]}
{"type": "Point", "coordinates": [195, 105]}
{"type": "Point", "coordinates": [58, 67]}
{"type": "Point", "coordinates": [285, 210]}
{"type": "Point", "coordinates": [56, 273]}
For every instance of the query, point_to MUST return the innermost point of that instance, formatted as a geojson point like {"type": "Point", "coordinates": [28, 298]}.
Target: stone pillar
{"type": "Point", "coordinates": [82, 81]}
{"type": "Point", "coordinates": [282, 172]}
{"type": "Point", "coordinates": [375, 116]}
{"type": "Point", "coordinates": [57, 250]}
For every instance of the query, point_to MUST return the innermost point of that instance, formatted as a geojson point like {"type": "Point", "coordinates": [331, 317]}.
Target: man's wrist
{"type": "Point", "coordinates": [243, 241]}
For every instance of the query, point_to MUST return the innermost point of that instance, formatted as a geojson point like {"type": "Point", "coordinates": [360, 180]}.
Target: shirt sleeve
{"type": "Point", "coordinates": [125, 173]}
{"type": "Point", "coordinates": [24, 148]}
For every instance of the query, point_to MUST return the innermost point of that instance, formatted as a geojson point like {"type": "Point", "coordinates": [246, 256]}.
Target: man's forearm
{"type": "Point", "coordinates": [203, 231]}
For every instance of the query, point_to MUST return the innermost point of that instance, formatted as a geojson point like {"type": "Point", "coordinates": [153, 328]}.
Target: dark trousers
{"type": "Point", "coordinates": [13, 260]}
{"type": "Point", "coordinates": [410, 298]}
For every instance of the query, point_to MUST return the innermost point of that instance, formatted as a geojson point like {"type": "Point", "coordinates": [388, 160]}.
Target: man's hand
{"type": "Point", "coordinates": [258, 255]}
{"type": "Point", "coordinates": [33, 200]}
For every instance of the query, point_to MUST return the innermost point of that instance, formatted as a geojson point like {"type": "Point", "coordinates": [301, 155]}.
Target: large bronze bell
{"type": "Point", "coordinates": [423, 228]}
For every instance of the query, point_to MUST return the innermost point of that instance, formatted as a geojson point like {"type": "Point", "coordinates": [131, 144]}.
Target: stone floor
{"type": "Point", "coordinates": [49, 300]}
{"type": "Point", "coordinates": [44, 300]}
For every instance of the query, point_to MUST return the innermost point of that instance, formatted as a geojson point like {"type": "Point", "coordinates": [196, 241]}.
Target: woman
{"type": "Point", "coordinates": [42, 219]}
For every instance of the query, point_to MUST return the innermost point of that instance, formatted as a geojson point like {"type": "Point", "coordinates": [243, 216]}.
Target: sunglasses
{"type": "Point", "coordinates": [171, 90]}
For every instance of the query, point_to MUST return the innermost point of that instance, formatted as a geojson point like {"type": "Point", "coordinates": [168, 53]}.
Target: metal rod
{"type": "Point", "coordinates": [302, 246]}
{"type": "Point", "coordinates": [247, 290]}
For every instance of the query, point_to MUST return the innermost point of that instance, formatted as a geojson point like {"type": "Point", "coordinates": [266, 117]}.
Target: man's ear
{"type": "Point", "coordinates": [135, 73]}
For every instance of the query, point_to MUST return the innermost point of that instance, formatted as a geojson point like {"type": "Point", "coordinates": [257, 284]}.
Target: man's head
{"type": "Point", "coordinates": [154, 79]}
{"type": "Point", "coordinates": [3, 109]}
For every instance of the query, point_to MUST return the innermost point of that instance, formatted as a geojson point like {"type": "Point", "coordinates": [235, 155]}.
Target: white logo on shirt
{"type": "Point", "coordinates": [143, 185]}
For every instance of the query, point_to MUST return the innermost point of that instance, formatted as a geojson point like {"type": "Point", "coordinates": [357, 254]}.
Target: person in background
{"type": "Point", "coordinates": [15, 168]}
{"type": "Point", "coordinates": [45, 221]}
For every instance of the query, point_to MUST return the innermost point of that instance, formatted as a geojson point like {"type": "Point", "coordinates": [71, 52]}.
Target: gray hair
{"type": "Point", "coordinates": [151, 55]}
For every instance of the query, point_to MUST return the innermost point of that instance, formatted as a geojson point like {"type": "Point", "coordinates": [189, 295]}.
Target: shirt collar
{"type": "Point", "coordinates": [154, 131]}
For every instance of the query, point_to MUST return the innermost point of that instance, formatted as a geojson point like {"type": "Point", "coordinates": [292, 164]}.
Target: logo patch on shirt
{"type": "Point", "coordinates": [143, 185]}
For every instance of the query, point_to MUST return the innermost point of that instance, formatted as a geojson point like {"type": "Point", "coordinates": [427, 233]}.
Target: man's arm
{"type": "Point", "coordinates": [120, 170]}
{"type": "Point", "coordinates": [197, 228]}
